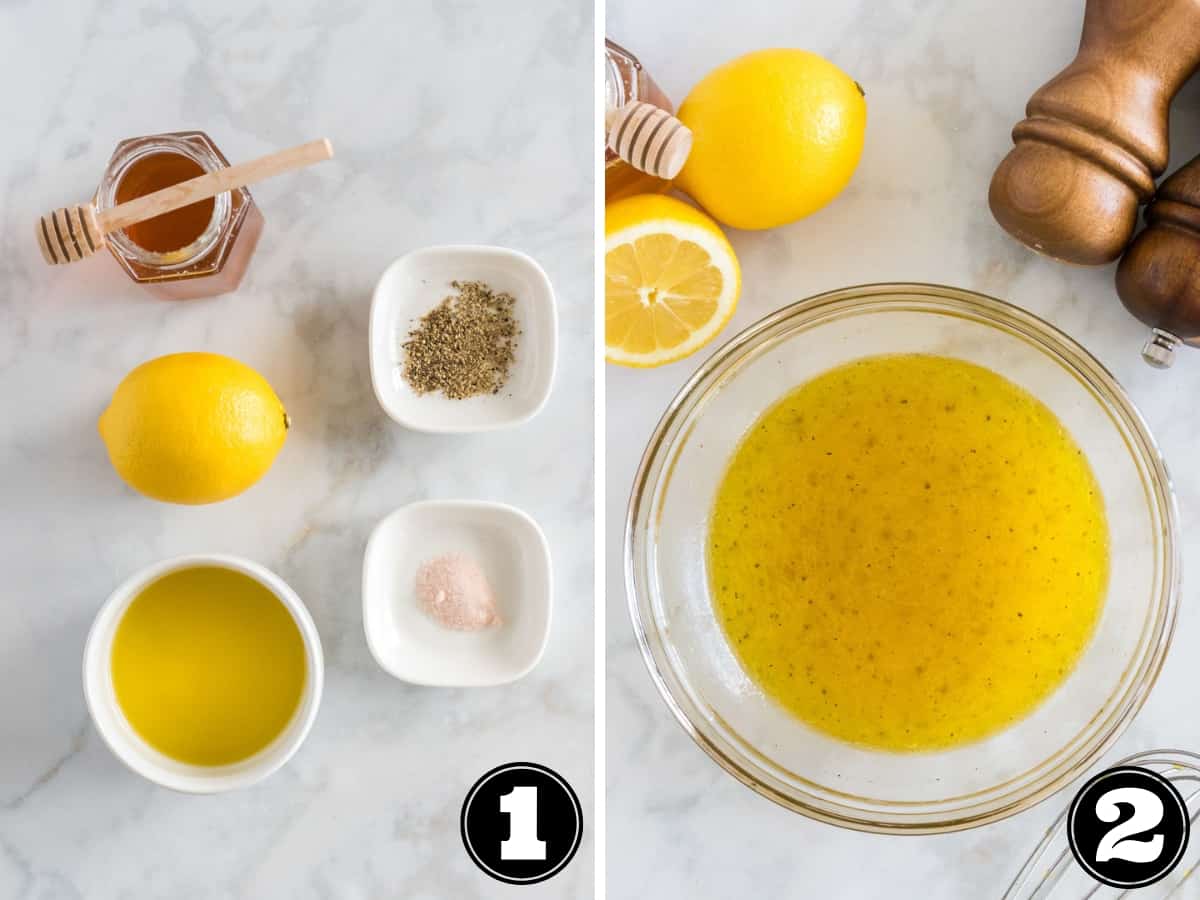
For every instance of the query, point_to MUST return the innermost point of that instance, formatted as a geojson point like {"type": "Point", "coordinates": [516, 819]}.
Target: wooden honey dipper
{"type": "Point", "coordinates": [1158, 279]}
{"type": "Point", "coordinates": [72, 233]}
{"type": "Point", "coordinates": [1095, 136]}
{"type": "Point", "coordinates": [650, 139]}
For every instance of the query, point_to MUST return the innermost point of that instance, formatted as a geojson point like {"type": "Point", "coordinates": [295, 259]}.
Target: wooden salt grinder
{"type": "Point", "coordinates": [1158, 279]}
{"type": "Point", "coordinates": [1095, 136]}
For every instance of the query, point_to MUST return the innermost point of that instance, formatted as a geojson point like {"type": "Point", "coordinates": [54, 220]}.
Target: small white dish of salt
{"type": "Point", "coordinates": [457, 593]}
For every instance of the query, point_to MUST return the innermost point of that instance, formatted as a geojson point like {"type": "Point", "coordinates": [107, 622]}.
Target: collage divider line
{"type": "Point", "coordinates": [600, 601]}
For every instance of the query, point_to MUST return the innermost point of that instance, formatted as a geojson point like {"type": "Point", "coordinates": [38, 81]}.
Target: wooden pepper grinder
{"type": "Point", "coordinates": [1158, 279]}
{"type": "Point", "coordinates": [1095, 136]}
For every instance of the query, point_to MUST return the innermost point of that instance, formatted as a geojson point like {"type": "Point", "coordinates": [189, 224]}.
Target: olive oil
{"type": "Point", "coordinates": [908, 552]}
{"type": "Point", "coordinates": [208, 665]}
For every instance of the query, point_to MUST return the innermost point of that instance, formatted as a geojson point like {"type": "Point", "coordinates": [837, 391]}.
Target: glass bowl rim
{"type": "Point", "coordinates": [988, 311]}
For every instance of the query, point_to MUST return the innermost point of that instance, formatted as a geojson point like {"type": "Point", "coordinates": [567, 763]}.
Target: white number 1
{"type": "Point", "coordinates": [521, 805]}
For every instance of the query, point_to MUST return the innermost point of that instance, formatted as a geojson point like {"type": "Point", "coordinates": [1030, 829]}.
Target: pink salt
{"type": "Point", "coordinates": [455, 593]}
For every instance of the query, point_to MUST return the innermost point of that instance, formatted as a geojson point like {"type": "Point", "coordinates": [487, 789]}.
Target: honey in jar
{"type": "Point", "coordinates": [200, 250]}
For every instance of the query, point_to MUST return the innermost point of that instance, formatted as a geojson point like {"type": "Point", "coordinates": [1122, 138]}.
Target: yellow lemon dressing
{"type": "Point", "coordinates": [208, 665]}
{"type": "Point", "coordinates": [908, 552]}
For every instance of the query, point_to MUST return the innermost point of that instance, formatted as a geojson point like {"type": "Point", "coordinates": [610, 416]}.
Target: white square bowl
{"type": "Point", "coordinates": [416, 283]}
{"type": "Point", "coordinates": [513, 553]}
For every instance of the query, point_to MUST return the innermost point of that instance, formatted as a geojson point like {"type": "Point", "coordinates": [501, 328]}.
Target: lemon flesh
{"type": "Point", "coordinates": [193, 428]}
{"type": "Point", "coordinates": [671, 280]}
{"type": "Point", "coordinates": [777, 134]}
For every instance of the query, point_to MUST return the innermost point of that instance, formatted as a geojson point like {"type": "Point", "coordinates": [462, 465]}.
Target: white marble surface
{"type": "Point", "coordinates": [453, 122]}
{"type": "Point", "coordinates": [945, 81]}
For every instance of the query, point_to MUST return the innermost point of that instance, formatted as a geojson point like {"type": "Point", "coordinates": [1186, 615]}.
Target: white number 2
{"type": "Point", "coordinates": [1147, 812]}
{"type": "Point", "coordinates": [521, 805]}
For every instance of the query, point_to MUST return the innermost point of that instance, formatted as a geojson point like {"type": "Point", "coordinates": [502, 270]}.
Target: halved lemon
{"type": "Point", "coordinates": [671, 280]}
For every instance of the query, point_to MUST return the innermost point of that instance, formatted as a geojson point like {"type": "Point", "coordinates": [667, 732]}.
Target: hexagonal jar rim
{"type": "Point", "coordinates": [206, 255]}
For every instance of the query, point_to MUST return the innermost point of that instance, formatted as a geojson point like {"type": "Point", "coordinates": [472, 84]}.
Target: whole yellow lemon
{"type": "Point", "coordinates": [193, 428]}
{"type": "Point", "coordinates": [776, 135]}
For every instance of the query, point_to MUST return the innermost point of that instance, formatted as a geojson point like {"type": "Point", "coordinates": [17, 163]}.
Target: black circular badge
{"type": "Point", "coordinates": [521, 823]}
{"type": "Point", "coordinates": [1128, 827]}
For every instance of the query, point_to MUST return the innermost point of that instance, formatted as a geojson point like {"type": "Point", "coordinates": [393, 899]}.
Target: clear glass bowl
{"type": "Point", "coordinates": [776, 754]}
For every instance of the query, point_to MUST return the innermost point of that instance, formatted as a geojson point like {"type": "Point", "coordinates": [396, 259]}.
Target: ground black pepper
{"type": "Point", "coordinates": [465, 345]}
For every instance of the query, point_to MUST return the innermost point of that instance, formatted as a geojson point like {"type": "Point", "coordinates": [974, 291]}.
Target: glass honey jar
{"type": "Point", "coordinates": [200, 250]}
{"type": "Point", "coordinates": [624, 82]}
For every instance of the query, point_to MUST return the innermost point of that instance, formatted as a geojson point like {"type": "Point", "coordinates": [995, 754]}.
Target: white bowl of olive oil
{"type": "Point", "coordinates": [203, 673]}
